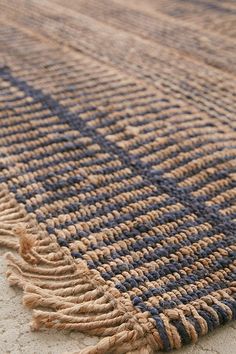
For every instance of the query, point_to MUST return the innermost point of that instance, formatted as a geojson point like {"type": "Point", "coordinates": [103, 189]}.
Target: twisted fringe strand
{"type": "Point", "coordinates": [70, 296]}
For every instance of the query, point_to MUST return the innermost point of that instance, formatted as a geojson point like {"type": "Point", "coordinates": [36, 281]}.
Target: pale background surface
{"type": "Point", "coordinates": [16, 337]}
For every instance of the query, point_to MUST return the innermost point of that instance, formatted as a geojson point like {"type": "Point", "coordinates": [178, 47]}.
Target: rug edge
{"type": "Point", "coordinates": [31, 267]}
{"type": "Point", "coordinates": [48, 276]}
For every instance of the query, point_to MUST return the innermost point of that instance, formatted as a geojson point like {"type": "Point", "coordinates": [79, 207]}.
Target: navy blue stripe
{"type": "Point", "coordinates": [172, 267]}
{"type": "Point", "coordinates": [205, 213]}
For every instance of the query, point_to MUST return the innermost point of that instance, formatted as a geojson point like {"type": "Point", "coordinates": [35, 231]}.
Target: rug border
{"type": "Point", "coordinates": [123, 328]}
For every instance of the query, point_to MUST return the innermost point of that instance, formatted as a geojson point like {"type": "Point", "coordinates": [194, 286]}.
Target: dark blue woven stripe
{"type": "Point", "coordinates": [206, 214]}
{"type": "Point", "coordinates": [222, 224]}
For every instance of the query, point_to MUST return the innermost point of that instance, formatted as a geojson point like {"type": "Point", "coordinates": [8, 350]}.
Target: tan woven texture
{"type": "Point", "coordinates": [118, 168]}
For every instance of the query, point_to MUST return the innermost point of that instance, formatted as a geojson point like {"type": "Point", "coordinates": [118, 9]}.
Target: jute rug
{"type": "Point", "coordinates": [117, 167]}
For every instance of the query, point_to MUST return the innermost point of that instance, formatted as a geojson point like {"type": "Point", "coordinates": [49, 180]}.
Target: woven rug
{"type": "Point", "coordinates": [118, 168]}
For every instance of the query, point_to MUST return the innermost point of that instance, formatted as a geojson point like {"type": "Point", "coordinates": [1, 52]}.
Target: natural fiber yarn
{"type": "Point", "coordinates": [117, 167]}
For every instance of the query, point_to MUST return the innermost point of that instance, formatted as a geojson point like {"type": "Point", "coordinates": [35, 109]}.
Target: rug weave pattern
{"type": "Point", "coordinates": [118, 168]}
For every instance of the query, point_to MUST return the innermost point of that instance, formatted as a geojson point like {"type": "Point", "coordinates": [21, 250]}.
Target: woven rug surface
{"type": "Point", "coordinates": [118, 167]}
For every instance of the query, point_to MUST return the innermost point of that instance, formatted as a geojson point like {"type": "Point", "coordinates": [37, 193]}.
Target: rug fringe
{"type": "Point", "coordinates": [69, 295]}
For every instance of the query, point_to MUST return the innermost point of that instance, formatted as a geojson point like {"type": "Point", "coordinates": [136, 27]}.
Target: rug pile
{"type": "Point", "coordinates": [118, 167]}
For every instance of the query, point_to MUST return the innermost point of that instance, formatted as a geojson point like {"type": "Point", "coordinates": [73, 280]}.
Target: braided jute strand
{"type": "Point", "coordinates": [78, 298]}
